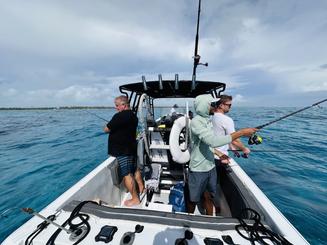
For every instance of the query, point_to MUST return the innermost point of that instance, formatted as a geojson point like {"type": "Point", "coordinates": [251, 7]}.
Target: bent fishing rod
{"type": "Point", "coordinates": [291, 114]}
{"type": "Point", "coordinates": [256, 139]}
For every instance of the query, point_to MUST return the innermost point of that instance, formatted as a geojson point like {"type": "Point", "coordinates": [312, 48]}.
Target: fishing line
{"type": "Point", "coordinates": [3, 213]}
{"type": "Point", "coordinates": [256, 139]}
{"type": "Point", "coordinates": [96, 115]}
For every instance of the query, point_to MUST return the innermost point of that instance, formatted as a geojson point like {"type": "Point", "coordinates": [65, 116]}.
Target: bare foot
{"type": "Point", "coordinates": [132, 202]}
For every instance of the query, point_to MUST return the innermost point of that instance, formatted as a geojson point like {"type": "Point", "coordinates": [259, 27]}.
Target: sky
{"type": "Point", "coordinates": [69, 53]}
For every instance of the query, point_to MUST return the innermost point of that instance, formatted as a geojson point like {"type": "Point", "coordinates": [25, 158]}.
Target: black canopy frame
{"type": "Point", "coordinates": [169, 89]}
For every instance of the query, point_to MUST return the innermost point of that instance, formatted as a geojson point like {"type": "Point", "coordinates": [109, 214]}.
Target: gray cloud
{"type": "Point", "coordinates": [55, 52]}
{"type": "Point", "coordinates": [324, 66]}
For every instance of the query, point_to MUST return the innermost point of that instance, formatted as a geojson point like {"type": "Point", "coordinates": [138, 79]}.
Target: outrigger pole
{"type": "Point", "coordinates": [291, 114]}
{"type": "Point", "coordinates": [196, 55]}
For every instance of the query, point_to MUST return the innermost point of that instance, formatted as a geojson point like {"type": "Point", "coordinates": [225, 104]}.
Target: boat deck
{"type": "Point", "coordinates": [160, 202]}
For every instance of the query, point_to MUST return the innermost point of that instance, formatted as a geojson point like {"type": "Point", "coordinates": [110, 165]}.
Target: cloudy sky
{"type": "Point", "coordinates": [55, 53]}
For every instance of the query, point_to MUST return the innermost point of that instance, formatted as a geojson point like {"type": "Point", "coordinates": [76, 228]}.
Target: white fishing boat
{"type": "Point", "coordinates": [97, 201]}
{"type": "Point", "coordinates": [92, 211]}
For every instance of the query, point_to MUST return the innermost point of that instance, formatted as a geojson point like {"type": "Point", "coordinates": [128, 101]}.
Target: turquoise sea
{"type": "Point", "coordinates": [44, 152]}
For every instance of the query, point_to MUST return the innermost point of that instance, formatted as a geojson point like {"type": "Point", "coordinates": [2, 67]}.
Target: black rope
{"type": "Point", "coordinates": [39, 229]}
{"type": "Point", "coordinates": [257, 232]}
{"type": "Point", "coordinates": [75, 214]}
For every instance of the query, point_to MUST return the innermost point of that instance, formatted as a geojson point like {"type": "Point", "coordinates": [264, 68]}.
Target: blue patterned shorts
{"type": "Point", "coordinates": [126, 165]}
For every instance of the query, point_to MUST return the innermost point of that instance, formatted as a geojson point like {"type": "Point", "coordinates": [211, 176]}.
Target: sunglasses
{"type": "Point", "coordinates": [229, 105]}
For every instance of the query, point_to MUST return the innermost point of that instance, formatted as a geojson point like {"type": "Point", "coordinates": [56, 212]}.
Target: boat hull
{"type": "Point", "coordinates": [161, 227]}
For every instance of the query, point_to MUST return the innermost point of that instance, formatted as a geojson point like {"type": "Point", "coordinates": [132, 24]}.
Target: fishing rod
{"type": "Point", "coordinates": [97, 116]}
{"type": "Point", "coordinates": [291, 114]}
{"type": "Point", "coordinates": [256, 139]}
{"type": "Point", "coordinates": [237, 154]}
{"type": "Point", "coordinates": [196, 55]}
{"type": "Point", "coordinates": [267, 150]}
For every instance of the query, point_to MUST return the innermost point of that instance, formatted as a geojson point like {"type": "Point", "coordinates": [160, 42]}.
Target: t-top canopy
{"type": "Point", "coordinates": [173, 88]}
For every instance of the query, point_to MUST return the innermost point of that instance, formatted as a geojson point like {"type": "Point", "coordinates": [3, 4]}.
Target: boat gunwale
{"type": "Point", "coordinates": [158, 217]}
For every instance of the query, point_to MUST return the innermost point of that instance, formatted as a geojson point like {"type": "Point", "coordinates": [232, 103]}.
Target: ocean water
{"type": "Point", "coordinates": [44, 152]}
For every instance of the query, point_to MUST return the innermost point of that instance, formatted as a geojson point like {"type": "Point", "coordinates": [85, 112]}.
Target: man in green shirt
{"type": "Point", "coordinates": [202, 175]}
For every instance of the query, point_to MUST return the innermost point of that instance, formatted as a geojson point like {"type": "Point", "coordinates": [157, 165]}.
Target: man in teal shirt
{"type": "Point", "coordinates": [202, 175]}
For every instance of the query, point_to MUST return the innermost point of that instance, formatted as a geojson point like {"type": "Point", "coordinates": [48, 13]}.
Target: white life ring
{"type": "Point", "coordinates": [177, 151]}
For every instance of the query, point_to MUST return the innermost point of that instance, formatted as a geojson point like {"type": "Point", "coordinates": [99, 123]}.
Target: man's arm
{"type": "Point", "coordinates": [239, 145]}
{"type": "Point", "coordinates": [243, 132]}
{"type": "Point", "coordinates": [111, 124]}
{"type": "Point", "coordinates": [207, 136]}
{"type": "Point", "coordinates": [223, 158]}
{"type": "Point", "coordinates": [106, 129]}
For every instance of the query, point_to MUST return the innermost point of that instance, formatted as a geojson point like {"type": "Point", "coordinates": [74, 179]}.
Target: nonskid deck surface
{"type": "Point", "coordinates": [160, 202]}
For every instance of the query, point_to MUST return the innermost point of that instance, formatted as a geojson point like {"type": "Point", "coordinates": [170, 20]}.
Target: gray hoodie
{"type": "Point", "coordinates": [203, 138]}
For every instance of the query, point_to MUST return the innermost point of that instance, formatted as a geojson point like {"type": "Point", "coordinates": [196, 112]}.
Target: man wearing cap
{"type": "Point", "coordinates": [202, 175]}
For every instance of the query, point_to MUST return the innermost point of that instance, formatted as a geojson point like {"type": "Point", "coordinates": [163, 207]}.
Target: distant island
{"type": "Point", "coordinates": [57, 108]}
{"type": "Point", "coordinates": [66, 108]}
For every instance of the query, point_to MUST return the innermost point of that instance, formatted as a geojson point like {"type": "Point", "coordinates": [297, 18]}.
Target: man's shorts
{"type": "Point", "coordinates": [126, 165]}
{"type": "Point", "coordinates": [199, 182]}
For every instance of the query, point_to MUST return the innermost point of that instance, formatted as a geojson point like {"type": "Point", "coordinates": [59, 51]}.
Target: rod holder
{"type": "Point", "coordinates": [176, 82]}
{"type": "Point", "coordinates": [145, 87]}
{"type": "Point", "coordinates": [31, 211]}
{"type": "Point", "coordinates": [160, 82]}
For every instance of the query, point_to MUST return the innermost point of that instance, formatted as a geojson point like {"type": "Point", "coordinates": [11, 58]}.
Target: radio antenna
{"type": "Point", "coordinates": [196, 55]}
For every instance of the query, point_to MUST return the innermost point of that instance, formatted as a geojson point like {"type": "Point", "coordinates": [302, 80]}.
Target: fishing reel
{"type": "Point", "coordinates": [255, 139]}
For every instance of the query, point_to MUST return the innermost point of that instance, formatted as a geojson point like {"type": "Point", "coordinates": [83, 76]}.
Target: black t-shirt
{"type": "Point", "coordinates": [122, 135]}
